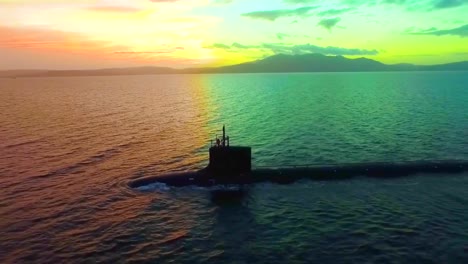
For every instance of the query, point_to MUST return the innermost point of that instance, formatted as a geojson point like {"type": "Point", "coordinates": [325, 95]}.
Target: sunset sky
{"type": "Point", "coordinates": [83, 34]}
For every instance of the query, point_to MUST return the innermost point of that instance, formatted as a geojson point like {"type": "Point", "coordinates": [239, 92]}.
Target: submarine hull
{"type": "Point", "coordinates": [202, 178]}
{"type": "Point", "coordinates": [207, 177]}
{"type": "Point", "coordinates": [232, 165]}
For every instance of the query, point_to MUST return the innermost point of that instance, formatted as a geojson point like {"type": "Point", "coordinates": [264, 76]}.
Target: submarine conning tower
{"type": "Point", "coordinates": [226, 160]}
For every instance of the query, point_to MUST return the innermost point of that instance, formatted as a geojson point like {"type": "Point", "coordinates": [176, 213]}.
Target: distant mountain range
{"type": "Point", "coordinates": [274, 64]}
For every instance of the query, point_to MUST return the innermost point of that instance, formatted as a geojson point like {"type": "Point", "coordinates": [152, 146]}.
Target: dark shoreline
{"type": "Point", "coordinates": [279, 63]}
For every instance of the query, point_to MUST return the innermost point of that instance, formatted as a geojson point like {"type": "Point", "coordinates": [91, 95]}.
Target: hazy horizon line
{"type": "Point", "coordinates": [212, 67]}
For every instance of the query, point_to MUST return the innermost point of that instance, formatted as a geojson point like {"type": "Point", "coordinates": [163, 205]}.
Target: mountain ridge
{"type": "Point", "coordinates": [278, 63]}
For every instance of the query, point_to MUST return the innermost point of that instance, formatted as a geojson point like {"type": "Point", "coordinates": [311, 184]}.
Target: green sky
{"type": "Point", "coordinates": [191, 33]}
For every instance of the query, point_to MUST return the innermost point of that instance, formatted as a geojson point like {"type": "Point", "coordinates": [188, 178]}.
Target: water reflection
{"type": "Point", "coordinates": [235, 227]}
{"type": "Point", "coordinates": [69, 144]}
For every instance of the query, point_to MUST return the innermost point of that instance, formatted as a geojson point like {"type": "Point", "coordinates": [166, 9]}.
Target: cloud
{"type": "Point", "coordinates": [115, 9]}
{"type": "Point", "coordinates": [222, 2]}
{"type": "Point", "coordinates": [36, 38]}
{"type": "Point", "coordinates": [334, 12]}
{"type": "Point", "coordinates": [272, 15]}
{"type": "Point", "coordinates": [461, 31]}
{"type": "Point", "coordinates": [219, 2]}
{"type": "Point", "coordinates": [297, 2]}
{"type": "Point", "coordinates": [23, 2]}
{"type": "Point", "coordinates": [410, 5]}
{"type": "Point", "coordinates": [281, 36]}
{"type": "Point", "coordinates": [42, 48]}
{"type": "Point", "coordinates": [240, 46]}
{"type": "Point", "coordinates": [66, 42]}
{"type": "Point", "coordinates": [441, 4]}
{"type": "Point", "coordinates": [150, 52]}
{"type": "Point", "coordinates": [329, 23]}
{"type": "Point", "coordinates": [279, 48]}
{"type": "Point", "coordinates": [221, 46]}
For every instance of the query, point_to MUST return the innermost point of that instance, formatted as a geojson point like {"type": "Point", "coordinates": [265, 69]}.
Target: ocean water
{"type": "Point", "coordinates": [69, 147]}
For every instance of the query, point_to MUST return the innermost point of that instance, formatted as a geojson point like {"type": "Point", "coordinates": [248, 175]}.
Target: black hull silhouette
{"type": "Point", "coordinates": [232, 165]}
{"type": "Point", "coordinates": [207, 177]}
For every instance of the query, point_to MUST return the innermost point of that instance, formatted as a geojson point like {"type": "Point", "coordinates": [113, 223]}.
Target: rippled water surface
{"type": "Point", "coordinates": [69, 146]}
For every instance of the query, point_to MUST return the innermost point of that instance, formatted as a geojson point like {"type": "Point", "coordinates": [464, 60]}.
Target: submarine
{"type": "Point", "coordinates": [232, 165]}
